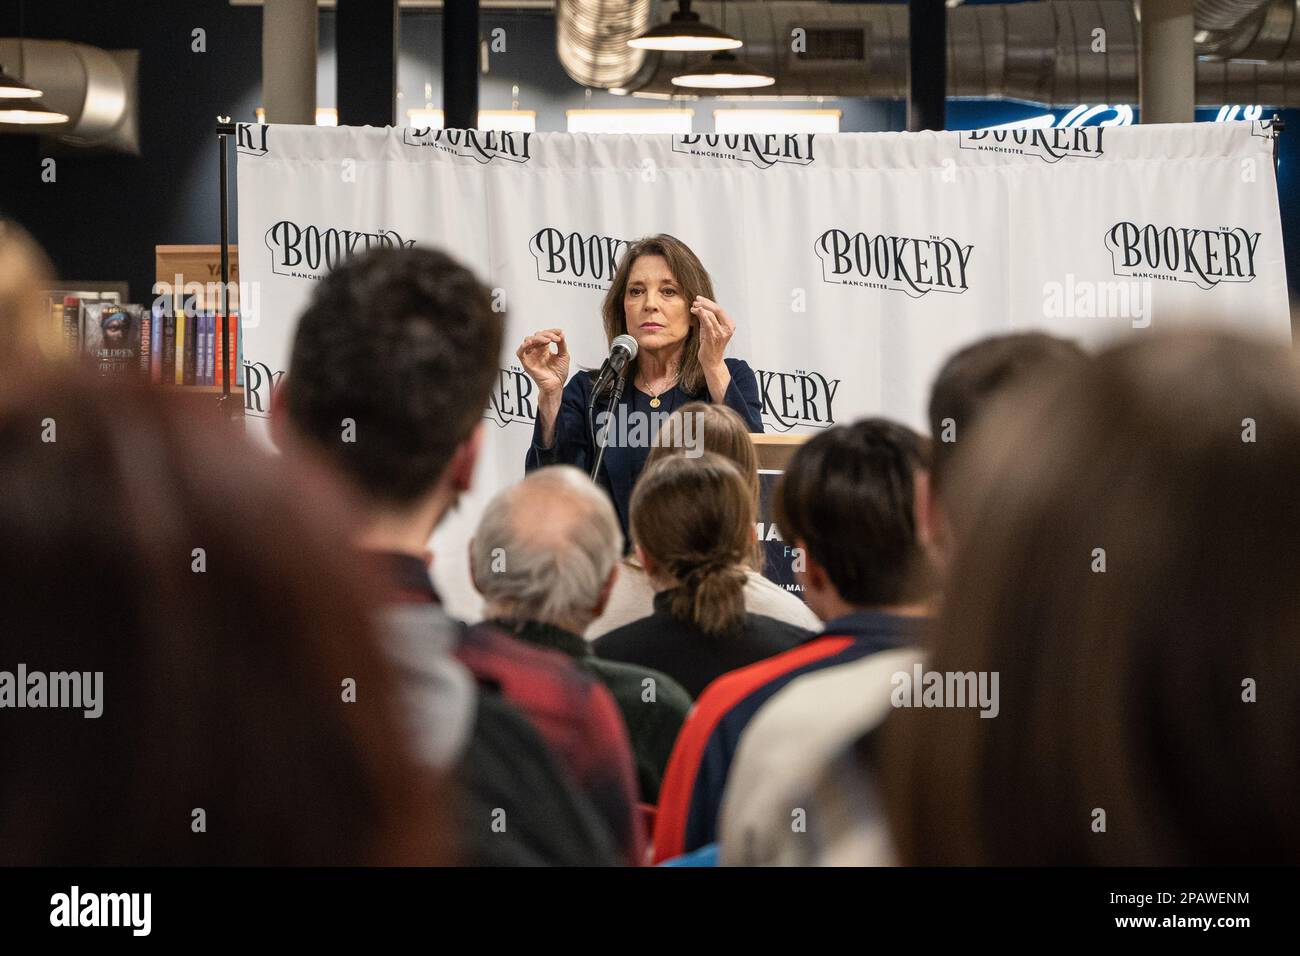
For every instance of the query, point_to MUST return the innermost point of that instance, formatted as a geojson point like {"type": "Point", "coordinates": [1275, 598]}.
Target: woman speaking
{"type": "Point", "coordinates": [663, 298]}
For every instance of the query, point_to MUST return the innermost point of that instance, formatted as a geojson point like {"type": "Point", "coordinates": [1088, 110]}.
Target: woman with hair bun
{"type": "Point", "coordinates": [693, 528]}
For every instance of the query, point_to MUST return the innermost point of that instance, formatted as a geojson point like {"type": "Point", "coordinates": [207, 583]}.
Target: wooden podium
{"type": "Point", "coordinates": [775, 450]}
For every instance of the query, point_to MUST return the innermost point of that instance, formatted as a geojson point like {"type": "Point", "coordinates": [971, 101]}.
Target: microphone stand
{"type": "Point", "coordinates": [601, 441]}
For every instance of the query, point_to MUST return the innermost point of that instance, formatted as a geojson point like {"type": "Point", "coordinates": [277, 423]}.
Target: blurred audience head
{"type": "Point", "coordinates": [698, 427]}
{"type": "Point", "coordinates": [547, 550]}
{"type": "Point", "coordinates": [845, 501]}
{"type": "Point", "coordinates": [26, 328]}
{"type": "Point", "coordinates": [208, 586]}
{"type": "Point", "coordinates": [392, 364]}
{"type": "Point", "coordinates": [1127, 565]}
{"type": "Point", "coordinates": [693, 521]}
{"type": "Point", "coordinates": [966, 385]}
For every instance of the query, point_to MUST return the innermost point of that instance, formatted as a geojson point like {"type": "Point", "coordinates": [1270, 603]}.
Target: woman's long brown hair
{"type": "Point", "coordinates": [1127, 563]}
{"type": "Point", "coordinates": [217, 591]}
{"type": "Point", "coordinates": [694, 518]}
{"type": "Point", "coordinates": [690, 275]}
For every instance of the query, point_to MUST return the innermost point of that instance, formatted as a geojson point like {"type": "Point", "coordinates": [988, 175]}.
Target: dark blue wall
{"type": "Point", "coordinates": [103, 216]}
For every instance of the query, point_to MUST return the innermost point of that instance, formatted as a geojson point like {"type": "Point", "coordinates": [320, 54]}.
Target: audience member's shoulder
{"type": "Point", "coordinates": [763, 596]}
{"type": "Point", "coordinates": [631, 599]}
{"type": "Point", "coordinates": [782, 635]}
{"type": "Point", "coordinates": [487, 639]}
{"type": "Point", "coordinates": [622, 639]}
{"type": "Point", "coordinates": [508, 766]}
{"type": "Point", "coordinates": [416, 633]}
{"type": "Point", "coordinates": [667, 690]}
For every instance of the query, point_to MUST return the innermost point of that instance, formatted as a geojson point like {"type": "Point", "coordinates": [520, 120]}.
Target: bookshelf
{"type": "Point", "coordinates": [192, 273]}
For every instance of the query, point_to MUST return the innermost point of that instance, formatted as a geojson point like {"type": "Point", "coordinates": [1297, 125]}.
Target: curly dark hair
{"type": "Point", "coordinates": [404, 343]}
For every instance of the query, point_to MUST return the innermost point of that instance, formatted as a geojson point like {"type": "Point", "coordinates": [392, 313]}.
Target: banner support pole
{"type": "Point", "coordinates": [224, 129]}
{"type": "Point", "coordinates": [1278, 126]}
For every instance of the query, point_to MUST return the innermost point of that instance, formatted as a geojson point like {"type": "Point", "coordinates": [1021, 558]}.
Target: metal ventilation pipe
{"type": "Point", "coordinates": [1248, 29]}
{"type": "Point", "coordinates": [1035, 52]}
{"type": "Point", "coordinates": [95, 88]}
{"type": "Point", "coordinates": [591, 39]}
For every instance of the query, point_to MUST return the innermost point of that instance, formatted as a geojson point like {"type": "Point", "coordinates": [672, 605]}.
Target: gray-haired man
{"type": "Point", "coordinates": [545, 557]}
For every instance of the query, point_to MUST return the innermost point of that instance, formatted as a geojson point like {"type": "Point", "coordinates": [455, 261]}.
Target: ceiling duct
{"type": "Point", "coordinates": [1038, 52]}
{"type": "Point", "coordinates": [96, 89]}
{"type": "Point", "coordinates": [591, 39]}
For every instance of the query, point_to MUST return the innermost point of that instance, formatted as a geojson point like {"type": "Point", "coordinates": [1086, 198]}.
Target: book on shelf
{"type": "Point", "coordinates": [191, 343]}
{"type": "Point", "coordinates": [64, 309]}
{"type": "Point", "coordinates": [71, 325]}
{"type": "Point", "coordinates": [146, 342]}
{"type": "Point", "coordinates": [201, 349]}
{"type": "Point", "coordinates": [233, 350]}
{"type": "Point", "coordinates": [209, 351]}
{"type": "Point", "coordinates": [156, 347]}
{"type": "Point", "coordinates": [167, 362]}
{"type": "Point", "coordinates": [182, 325]}
{"type": "Point", "coordinates": [111, 337]}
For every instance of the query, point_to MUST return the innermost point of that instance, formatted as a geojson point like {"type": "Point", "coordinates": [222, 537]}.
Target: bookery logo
{"type": "Point", "coordinates": [585, 260]}
{"type": "Point", "coordinates": [1182, 254]}
{"type": "Point", "coordinates": [250, 138]}
{"type": "Point", "coordinates": [308, 252]}
{"type": "Point", "coordinates": [483, 146]}
{"type": "Point", "coordinates": [260, 383]}
{"type": "Point", "coordinates": [896, 263]}
{"type": "Point", "coordinates": [58, 690]}
{"type": "Point", "coordinates": [763, 151]}
{"type": "Point", "coordinates": [1049, 145]}
{"type": "Point", "coordinates": [1263, 128]}
{"type": "Point", "coordinates": [511, 399]}
{"type": "Point", "coordinates": [798, 397]}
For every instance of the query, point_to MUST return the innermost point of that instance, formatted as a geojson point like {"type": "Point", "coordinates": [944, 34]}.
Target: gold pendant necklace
{"type": "Point", "coordinates": [654, 396]}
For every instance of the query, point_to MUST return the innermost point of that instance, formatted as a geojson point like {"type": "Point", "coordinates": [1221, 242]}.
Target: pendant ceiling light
{"type": "Point", "coordinates": [723, 71]}
{"type": "Point", "coordinates": [30, 113]}
{"type": "Point", "coordinates": [11, 88]}
{"type": "Point", "coordinates": [18, 103]}
{"type": "Point", "coordinates": [684, 33]}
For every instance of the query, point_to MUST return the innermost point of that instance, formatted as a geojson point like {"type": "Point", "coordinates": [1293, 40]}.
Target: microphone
{"type": "Point", "coordinates": [621, 351]}
{"type": "Point", "coordinates": [612, 375]}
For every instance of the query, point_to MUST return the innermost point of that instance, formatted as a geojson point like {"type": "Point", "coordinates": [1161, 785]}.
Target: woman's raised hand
{"type": "Point", "coordinates": [550, 370]}
{"type": "Point", "coordinates": [716, 330]}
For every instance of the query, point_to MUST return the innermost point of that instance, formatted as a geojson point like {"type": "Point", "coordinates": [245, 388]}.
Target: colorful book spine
{"type": "Point", "coordinates": [191, 347]}
{"type": "Point", "coordinates": [237, 348]}
{"type": "Point", "coordinates": [156, 344]}
{"type": "Point", "coordinates": [56, 315]}
{"type": "Point", "coordinates": [146, 343]}
{"type": "Point", "coordinates": [232, 359]}
{"type": "Point", "coordinates": [72, 325]}
{"type": "Point", "coordinates": [182, 321]}
{"type": "Point", "coordinates": [219, 358]}
{"type": "Point", "coordinates": [167, 361]}
{"type": "Point", "coordinates": [210, 357]}
{"type": "Point", "coordinates": [201, 350]}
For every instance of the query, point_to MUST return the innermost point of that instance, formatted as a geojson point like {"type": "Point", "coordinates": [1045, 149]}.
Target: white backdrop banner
{"type": "Point", "coordinates": [853, 264]}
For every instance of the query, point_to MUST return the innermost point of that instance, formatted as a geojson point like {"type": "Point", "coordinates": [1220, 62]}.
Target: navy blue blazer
{"type": "Point", "coordinates": [575, 444]}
